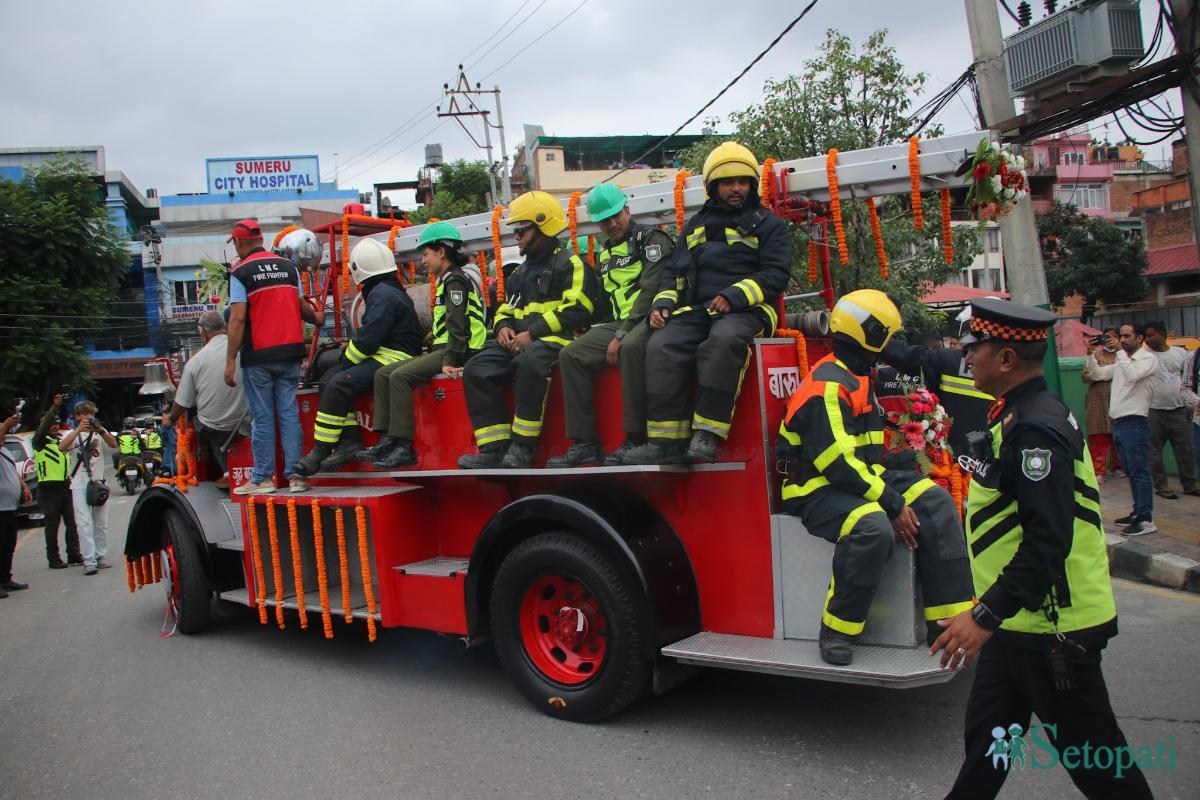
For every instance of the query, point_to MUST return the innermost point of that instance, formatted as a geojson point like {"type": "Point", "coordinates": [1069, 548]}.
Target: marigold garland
{"type": "Point", "coordinates": [156, 565]}
{"type": "Point", "coordinates": [767, 188]}
{"type": "Point", "coordinates": [138, 577]}
{"type": "Point", "coordinates": [297, 562]}
{"type": "Point", "coordinates": [346, 256]}
{"type": "Point", "coordinates": [260, 576]}
{"type": "Point", "coordinates": [276, 563]}
{"type": "Point", "coordinates": [880, 252]}
{"type": "Point", "coordinates": [914, 176]}
{"type": "Point", "coordinates": [364, 560]}
{"type": "Point", "coordinates": [591, 253]}
{"type": "Point", "coordinates": [680, 178]}
{"type": "Point", "coordinates": [956, 488]}
{"type": "Point", "coordinates": [412, 272]}
{"type": "Point", "coordinates": [835, 205]}
{"type": "Point", "coordinates": [279, 236]}
{"type": "Point", "coordinates": [801, 347]}
{"type": "Point", "coordinates": [573, 219]}
{"type": "Point", "coordinates": [813, 264]}
{"type": "Point", "coordinates": [343, 563]}
{"type": "Point", "coordinates": [322, 575]}
{"type": "Point", "coordinates": [947, 233]}
{"type": "Point", "coordinates": [147, 570]}
{"type": "Point", "coordinates": [392, 238]}
{"type": "Point", "coordinates": [129, 574]}
{"type": "Point", "coordinates": [499, 258]}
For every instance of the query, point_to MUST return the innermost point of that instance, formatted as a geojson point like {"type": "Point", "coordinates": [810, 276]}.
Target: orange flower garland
{"type": "Point", "coordinates": [914, 175]}
{"type": "Point", "coordinates": [346, 256]}
{"type": "Point", "coordinates": [129, 574]}
{"type": "Point", "coordinates": [260, 576]}
{"type": "Point", "coordinates": [573, 220]}
{"type": "Point", "coordinates": [364, 560]}
{"type": "Point", "coordinates": [880, 253]}
{"type": "Point", "coordinates": [591, 253]}
{"type": "Point", "coordinates": [322, 575]}
{"type": "Point", "coordinates": [835, 205]}
{"type": "Point", "coordinates": [343, 563]}
{"type": "Point", "coordinates": [680, 178]}
{"type": "Point", "coordinates": [412, 271]}
{"type": "Point", "coordinates": [766, 187]}
{"type": "Point", "coordinates": [499, 258]}
{"type": "Point", "coordinates": [156, 566]}
{"type": "Point", "coordinates": [276, 563]}
{"type": "Point", "coordinates": [956, 488]}
{"type": "Point", "coordinates": [147, 570]}
{"type": "Point", "coordinates": [801, 347]}
{"type": "Point", "coordinates": [279, 236]}
{"type": "Point", "coordinates": [947, 233]}
{"type": "Point", "coordinates": [138, 577]}
{"type": "Point", "coordinates": [813, 265]}
{"type": "Point", "coordinates": [297, 562]}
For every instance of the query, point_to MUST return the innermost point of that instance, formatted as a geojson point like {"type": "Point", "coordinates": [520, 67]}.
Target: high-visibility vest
{"type": "Point", "coordinates": [153, 441]}
{"type": "Point", "coordinates": [129, 444]}
{"type": "Point", "coordinates": [51, 463]}
{"type": "Point", "coordinates": [441, 334]}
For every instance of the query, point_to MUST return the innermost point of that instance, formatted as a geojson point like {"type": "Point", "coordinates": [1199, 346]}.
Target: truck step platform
{"type": "Point", "coordinates": [674, 469]}
{"type": "Point", "coordinates": [440, 566]}
{"type": "Point", "coordinates": [891, 667]}
{"type": "Point", "coordinates": [358, 602]}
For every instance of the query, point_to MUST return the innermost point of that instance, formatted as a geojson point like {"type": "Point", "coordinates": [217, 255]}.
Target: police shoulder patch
{"type": "Point", "coordinates": [1035, 463]}
{"type": "Point", "coordinates": [456, 296]}
{"type": "Point", "coordinates": [653, 252]}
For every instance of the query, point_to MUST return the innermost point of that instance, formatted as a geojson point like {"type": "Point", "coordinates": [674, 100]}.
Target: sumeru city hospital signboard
{"type": "Point", "coordinates": [268, 174]}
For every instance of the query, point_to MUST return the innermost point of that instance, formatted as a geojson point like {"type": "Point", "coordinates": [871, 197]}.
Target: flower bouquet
{"type": "Point", "coordinates": [921, 427]}
{"type": "Point", "coordinates": [998, 182]}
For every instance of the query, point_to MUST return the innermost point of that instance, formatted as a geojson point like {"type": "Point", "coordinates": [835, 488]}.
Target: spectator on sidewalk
{"type": "Point", "coordinates": [1129, 408]}
{"type": "Point", "coordinates": [53, 490]}
{"type": "Point", "coordinates": [86, 445]}
{"type": "Point", "coordinates": [1169, 417]}
{"type": "Point", "coordinates": [1191, 395]}
{"type": "Point", "coordinates": [13, 492]}
{"type": "Point", "coordinates": [1096, 419]}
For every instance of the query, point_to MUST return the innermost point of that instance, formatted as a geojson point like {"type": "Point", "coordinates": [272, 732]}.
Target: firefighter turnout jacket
{"type": "Point", "coordinates": [390, 331]}
{"type": "Point", "coordinates": [552, 296]}
{"type": "Point", "coordinates": [1034, 533]}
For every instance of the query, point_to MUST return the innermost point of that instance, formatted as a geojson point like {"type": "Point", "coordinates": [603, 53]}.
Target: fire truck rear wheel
{"type": "Point", "coordinates": [567, 621]}
{"type": "Point", "coordinates": [186, 583]}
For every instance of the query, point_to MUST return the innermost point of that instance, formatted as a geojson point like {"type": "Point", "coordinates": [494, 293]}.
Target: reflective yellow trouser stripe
{"type": "Point", "coordinates": [531, 428]}
{"type": "Point", "coordinates": [854, 516]}
{"type": "Point", "coordinates": [837, 623]}
{"type": "Point", "coordinates": [493, 433]}
{"type": "Point", "coordinates": [387, 355]}
{"type": "Point", "coordinates": [668, 429]}
{"type": "Point", "coordinates": [711, 425]}
{"type": "Point", "coordinates": [917, 489]}
{"type": "Point", "coordinates": [791, 491]}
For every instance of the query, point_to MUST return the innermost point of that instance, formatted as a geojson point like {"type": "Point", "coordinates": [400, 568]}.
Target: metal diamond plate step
{"type": "Point", "coordinates": [358, 602]}
{"type": "Point", "coordinates": [442, 566]}
{"type": "Point", "coordinates": [893, 667]}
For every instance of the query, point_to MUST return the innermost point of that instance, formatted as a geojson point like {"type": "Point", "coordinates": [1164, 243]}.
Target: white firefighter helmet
{"type": "Point", "coordinates": [369, 258]}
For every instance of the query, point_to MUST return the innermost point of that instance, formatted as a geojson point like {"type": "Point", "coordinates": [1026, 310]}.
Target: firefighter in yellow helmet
{"type": "Point", "coordinates": [717, 292]}
{"type": "Point", "coordinates": [551, 296]}
{"type": "Point", "coordinates": [831, 441]}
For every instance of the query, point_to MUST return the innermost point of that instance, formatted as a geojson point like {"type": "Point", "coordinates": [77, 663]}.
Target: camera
{"type": "Point", "coordinates": [1098, 340]}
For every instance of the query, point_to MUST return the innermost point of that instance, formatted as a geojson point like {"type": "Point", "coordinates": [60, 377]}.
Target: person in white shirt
{"type": "Point", "coordinates": [86, 443]}
{"type": "Point", "coordinates": [1129, 407]}
{"type": "Point", "coordinates": [1169, 414]}
{"type": "Point", "coordinates": [1191, 395]}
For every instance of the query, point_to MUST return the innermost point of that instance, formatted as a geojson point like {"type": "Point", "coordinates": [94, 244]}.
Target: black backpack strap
{"type": "Point", "coordinates": [751, 219]}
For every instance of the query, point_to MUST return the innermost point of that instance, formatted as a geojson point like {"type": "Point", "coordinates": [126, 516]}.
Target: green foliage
{"type": "Point", "coordinates": [462, 188]}
{"type": "Point", "coordinates": [60, 265]}
{"type": "Point", "coordinates": [853, 99]}
{"type": "Point", "coordinates": [215, 282]}
{"type": "Point", "coordinates": [1090, 256]}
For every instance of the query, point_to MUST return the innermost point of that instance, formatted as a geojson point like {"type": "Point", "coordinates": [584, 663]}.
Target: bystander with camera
{"type": "Point", "coordinates": [88, 490]}
{"type": "Point", "coordinates": [53, 490]}
{"type": "Point", "coordinates": [1096, 419]}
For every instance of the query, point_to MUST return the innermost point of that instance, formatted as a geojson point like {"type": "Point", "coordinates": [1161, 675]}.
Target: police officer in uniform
{"type": "Point", "coordinates": [831, 441]}
{"type": "Point", "coordinates": [718, 292]}
{"type": "Point", "coordinates": [629, 266]}
{"type": "Point", "coordinates": [459, 332]}
{"type": "Point", "coordinates": [389, 333]}
{"type": "Point", "coordinates": [551, 296]}
{"type": "Point", "coordinates": [1046, 608]}
{"type": "Point", "coordinates": [53, 490]}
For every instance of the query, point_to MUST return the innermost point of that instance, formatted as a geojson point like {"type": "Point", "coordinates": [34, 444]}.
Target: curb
{"type": "Point", "coordinates": [1138, 562]}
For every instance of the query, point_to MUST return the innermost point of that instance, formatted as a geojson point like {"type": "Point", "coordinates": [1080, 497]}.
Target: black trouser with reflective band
{"type": "Point", "coordinates": [394, 387]}
{"type": "Point", "coordinates": [339, 389]}
{"type": "Point", "coordinates": [713, 350]}
{"type": "Point", "coordinates": [1013, 682]}
{"type": "Point", "coordinates": [863, 538]}
{"type": "Point", "coordinates": [56, 503]}
{"type": "Point", "coordinates": [489, 371]}
{"type": "Point", "coordinates": [583, 358]}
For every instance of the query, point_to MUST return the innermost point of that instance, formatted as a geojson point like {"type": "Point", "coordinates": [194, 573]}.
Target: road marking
{"type": "Point", "coordinates": [1161, 591]}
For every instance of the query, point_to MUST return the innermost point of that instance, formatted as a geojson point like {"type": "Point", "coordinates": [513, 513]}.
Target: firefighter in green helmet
{"type": "Point", "coordinates": [628, 265]}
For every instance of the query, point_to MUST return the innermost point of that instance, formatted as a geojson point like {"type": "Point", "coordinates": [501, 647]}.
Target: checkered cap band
{"type": "Point", "coordinates": [987, 329]}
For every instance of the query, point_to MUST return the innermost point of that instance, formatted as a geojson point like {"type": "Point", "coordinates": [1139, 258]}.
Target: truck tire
{"type": "Point", "coordinates": [569, 627]}
{"type": "Point", "coordinates": [187, 585]}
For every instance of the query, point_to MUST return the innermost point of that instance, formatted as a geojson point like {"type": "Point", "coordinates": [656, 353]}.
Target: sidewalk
{"type": "Point", "coordinates": [1170, 557]}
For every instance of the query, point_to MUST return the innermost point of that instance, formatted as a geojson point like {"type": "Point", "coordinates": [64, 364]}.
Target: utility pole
{"type": "Point", "coordinates": [1018, 230]}
{"type": "Point", "coordinates": [463, 87]}
{"type": "Point", "coordinates": [1185, 42]}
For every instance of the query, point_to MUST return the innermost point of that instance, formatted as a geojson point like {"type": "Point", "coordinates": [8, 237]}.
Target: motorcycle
{"type": "Point", "coordinates": [130, 474]}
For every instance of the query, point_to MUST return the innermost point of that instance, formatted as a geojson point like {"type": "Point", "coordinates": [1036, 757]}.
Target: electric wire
{"type": "Point", "coordinates": [1016, 19]}
{"type": "Point", "coordinates": [463, 59]}
{"type": "Point", "coordinates": [528, 17]}
{"type": "Point", "coordinates": [545, 33]}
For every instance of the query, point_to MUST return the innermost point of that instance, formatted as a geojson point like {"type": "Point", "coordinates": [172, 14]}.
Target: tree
{"type": "Point", "coordinates": [852, 100]}
{"type": "Point", "coordinates": [1089, 256]}
{"type": "Point", "coordinates": [60, 264]}
{"type": "Point", "coordinates": [462, 188]}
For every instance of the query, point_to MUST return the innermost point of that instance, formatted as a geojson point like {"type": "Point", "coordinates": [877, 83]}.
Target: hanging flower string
{"type": "Point", "coordinates": [812, 261]}
{"type": "Point", "coordinates": [279, 236]}
{"type": "Point", "coordinates": [346, 256]}
{"type": "Point", "coordinates": [343, 563]}
{"type": "Point", "coordinates": [260, 577]}
{"type": "Point", "coordinates": [129, 578]}
{"type": "Point", "coordinates": [276, 563]}
{"type": "Point", "coordinates": [412, 272]}
{"type": "Point", "coordinates": [322, 574]}
{"type": "Point", "coordinates": [680, 178]}
{"type": "Point", "coordinates": [138, 578]}
{"type": "Point", "coordinates": [880, 252]}
{"type": "Point", "coordinates": [914, 176]}
{"type": "Point", "coordinates": [297, 562]}
{"type": "Point", "coordinates": [156, 565]}
{"type": "Point", "coordinates": [364, 560]}
{"type": "Point", "coordinates": [573, 219]}
{"type": "Point", "coordinates": [947, 233]}
{"type": "Point", "coordinates": [497, 256]}
{"type": "Point", "coordinates": [766, 184]}
{"type": "Point", "coordinates": [835, 205]}
{"type": "Point", "coordinates": [801, 347]}
{"type": "Point", "coordinates": [591, 253]}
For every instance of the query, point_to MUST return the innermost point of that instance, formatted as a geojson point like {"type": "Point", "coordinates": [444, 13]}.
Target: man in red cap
{"type": "Point", "coordinates": [266, 308]}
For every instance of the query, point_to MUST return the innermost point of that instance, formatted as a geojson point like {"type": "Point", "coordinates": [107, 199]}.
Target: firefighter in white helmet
{"type": "Point", "coordinates": [389, 333]}
{"type": "Point", "coordinates": [717, 292]}
{"type": "Point", "coordinates": [831, 442]}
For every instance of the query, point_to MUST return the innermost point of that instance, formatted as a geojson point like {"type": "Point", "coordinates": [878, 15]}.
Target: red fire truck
{"type": "Point", "coordinates": [597, 586]}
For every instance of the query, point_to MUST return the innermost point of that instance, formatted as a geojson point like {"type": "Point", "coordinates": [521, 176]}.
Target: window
{"type": "Point", "coordinates": [185, 293]}
{"type": "Point", "coordinates": [550, 155]}
{"type": "Point", "coordinates": [1083, 195]}
{"type": "Point", "coordinates": [1183, 284]}
{"type": "Point", "coordinates": [1074, 158]}
{"type": "Point", "coordinates": [991, 240]}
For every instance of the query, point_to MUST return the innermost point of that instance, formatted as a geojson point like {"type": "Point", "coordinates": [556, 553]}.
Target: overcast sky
{"type": "Point", "coordinates": [164, 85]}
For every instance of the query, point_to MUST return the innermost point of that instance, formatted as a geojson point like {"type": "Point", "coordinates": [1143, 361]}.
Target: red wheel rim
{"type": "Point", "coordinates": [563, 629]}
{"type": "Point", "coordinates": [172, 572]}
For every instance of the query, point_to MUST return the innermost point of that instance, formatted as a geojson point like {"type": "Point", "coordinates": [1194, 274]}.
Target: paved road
{"type": "Point", "coordinates": [95, 704]}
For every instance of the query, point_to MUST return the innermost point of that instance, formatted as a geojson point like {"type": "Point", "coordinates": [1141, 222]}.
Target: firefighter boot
{"type": "Point", "coordinates": [519, 456]}
{"type": "Point", "coordinates": [380, 450]}
{"type": "Point", "coordinates": [311, 463]}
{"type": "Point", "coordinates": [617, 457]}
{"type": "Point", "coordinates": [582, 452]}
{"type": "Point", "coordinates": [343, 452]}
{"type": "Point", "coordinates": [401, 455]}
{"type": "Point", "coordinates": [704, 446]}
{"type": "Point", "coordinates": [490, 455]}
{"type": "Point", "coordinates": [657, 452]}
{"type": "Point", "coordinates": [835, 646]}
